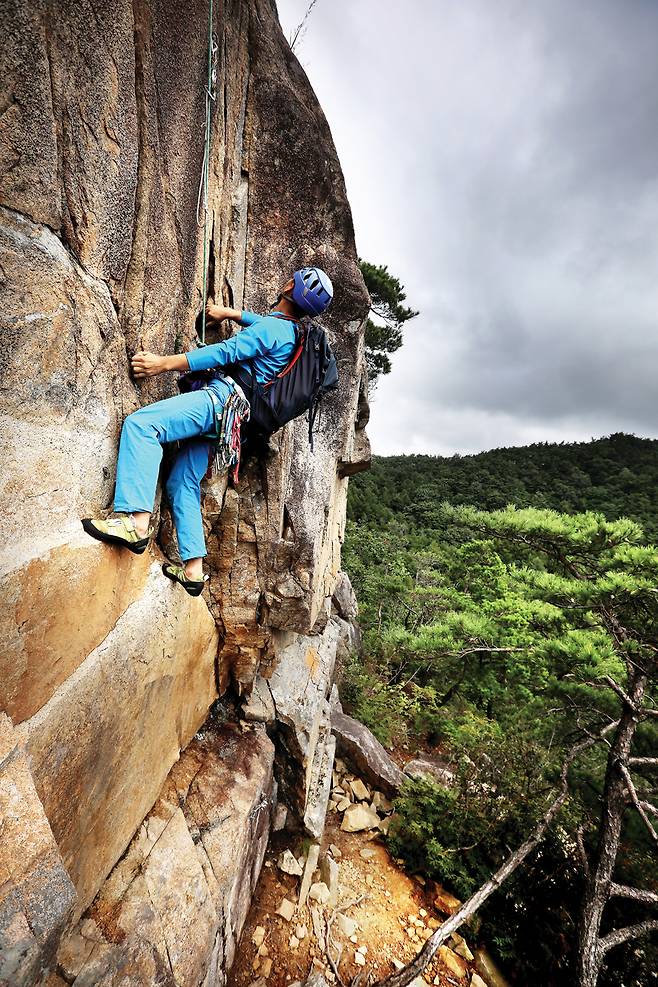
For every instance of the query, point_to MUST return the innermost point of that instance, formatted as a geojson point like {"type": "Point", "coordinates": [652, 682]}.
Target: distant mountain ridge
{"type": "Point", "coordinates": [616, 475]}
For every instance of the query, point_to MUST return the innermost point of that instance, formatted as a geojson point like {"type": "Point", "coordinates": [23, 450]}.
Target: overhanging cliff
{"type": "Point", "coordinates": [106, 670]}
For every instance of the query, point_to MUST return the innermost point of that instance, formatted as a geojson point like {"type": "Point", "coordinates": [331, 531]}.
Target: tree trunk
{"type": "Point", "coordinates": [597, 889]}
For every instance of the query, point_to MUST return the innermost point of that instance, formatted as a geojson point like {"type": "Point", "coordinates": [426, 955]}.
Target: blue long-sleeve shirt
{"type": "Point", "coordinates": [267, 342]}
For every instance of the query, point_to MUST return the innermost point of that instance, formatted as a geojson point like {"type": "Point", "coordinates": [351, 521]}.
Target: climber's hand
{"type": "Point", "coordinates": [216, 312]}
{"type": "Point", "coordinates": [145, 364]}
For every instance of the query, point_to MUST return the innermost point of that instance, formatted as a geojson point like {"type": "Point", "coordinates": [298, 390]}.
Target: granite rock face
{"type": "Point", "coordinates": [36, 893]}
{"type": "Point", "coordinates": [172, 909]}
{"type": "Point", "coordinates": [107, 670]}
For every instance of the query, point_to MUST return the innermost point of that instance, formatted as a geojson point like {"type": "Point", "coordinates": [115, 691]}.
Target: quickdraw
{"type": "Point", "coordinates": [230, 417]}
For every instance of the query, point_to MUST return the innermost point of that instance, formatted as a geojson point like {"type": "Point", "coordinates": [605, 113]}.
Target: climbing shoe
{"type": "Point", "coordinates": [117, 531]}
{"type": "Point", "coordinates": [177, 572]}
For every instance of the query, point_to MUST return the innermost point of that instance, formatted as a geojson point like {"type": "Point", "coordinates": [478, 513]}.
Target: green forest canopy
{"type": "Point", "coordinates": [617, 475]}
{"type": "Point", "coordinates": [484, 640]}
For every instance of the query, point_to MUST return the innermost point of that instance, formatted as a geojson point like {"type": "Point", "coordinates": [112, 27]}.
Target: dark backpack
{"type": "Point", "coordinates": [299, 387]}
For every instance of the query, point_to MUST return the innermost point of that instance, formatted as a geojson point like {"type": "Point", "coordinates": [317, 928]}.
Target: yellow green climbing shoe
{"type": "Point", "coordinates": [117, 531]}
{"type": "Point", "coordinates": [177, 572]}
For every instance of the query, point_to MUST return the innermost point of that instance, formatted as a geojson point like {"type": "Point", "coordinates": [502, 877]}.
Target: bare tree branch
{"type": "Point", "coordinates": [636, 802]}
{"type": "Point", "coordinates": [302, 24]}
{"type": "Point", "coordinates": [404, 977]}
{"type": "Point", "coordinates": [334, 964]}
{"type": "Point", "coordinates": [643, 762]}
{"type": "Point", "coordinates": [619, 936]}
{"type": "Point", "coordinates": [635, 894]}
{"type": "Point", "coordinates": [625, 698]}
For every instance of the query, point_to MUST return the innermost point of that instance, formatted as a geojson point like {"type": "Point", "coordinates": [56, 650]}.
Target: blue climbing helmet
{"type": "Point", "coordinates": [312, 290]}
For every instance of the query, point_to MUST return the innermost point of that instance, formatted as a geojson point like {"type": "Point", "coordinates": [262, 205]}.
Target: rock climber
{"type": "Point", "coordinates": [266, 343]}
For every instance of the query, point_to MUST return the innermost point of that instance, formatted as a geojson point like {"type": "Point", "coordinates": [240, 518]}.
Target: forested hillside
{"type": "Point", "coordinates": [617, 476]}
{"type": "Point", "coordinates": [498, 637]}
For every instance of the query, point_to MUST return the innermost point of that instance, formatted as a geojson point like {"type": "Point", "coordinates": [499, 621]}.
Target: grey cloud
{"type": "Point", "coordinates": [502, 159]}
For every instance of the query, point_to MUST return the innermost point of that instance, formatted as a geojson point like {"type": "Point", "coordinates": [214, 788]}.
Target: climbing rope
{"type": "Point", "coordinates": [203, 182]}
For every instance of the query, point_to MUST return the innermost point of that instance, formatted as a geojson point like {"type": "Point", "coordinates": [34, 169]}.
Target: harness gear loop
{"type": "Point", "coordinates": [211, 96]}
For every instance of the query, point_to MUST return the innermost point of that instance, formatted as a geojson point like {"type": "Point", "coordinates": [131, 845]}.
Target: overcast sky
{"type": "Point", "coordinates": [502, 159]}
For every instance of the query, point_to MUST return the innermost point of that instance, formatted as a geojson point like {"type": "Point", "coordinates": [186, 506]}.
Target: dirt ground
{"type": "Point", "coordinates": [394, 918]}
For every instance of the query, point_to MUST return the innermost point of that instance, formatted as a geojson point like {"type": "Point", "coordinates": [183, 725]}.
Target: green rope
{"type": "Point", "coordinates": [210, 98]}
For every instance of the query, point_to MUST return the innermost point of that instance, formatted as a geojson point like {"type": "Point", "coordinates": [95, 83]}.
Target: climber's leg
{"type": "Point", "coordinates": [140, 454]}
{"type": "Point", "coordinates": [143, 435]}
{"type": "Point", "coordinates": [184, 493]}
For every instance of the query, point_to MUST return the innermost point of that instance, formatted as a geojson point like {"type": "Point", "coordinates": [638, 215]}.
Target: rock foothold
{"type": "Point", "coordinates": [359, 817]}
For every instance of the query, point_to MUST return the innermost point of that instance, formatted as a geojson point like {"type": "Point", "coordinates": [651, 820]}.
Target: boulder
{"type": "Point", "coordinates": [347, 925]}
{"type": "Point", "coordinates": [286, 909]}
{"type": "Point", "coordinates": [381, 803]}
{"type": "Point", "coordinates": [109, 668]}
{"type": "Point", "coordinates": [356, 743]}
{"type": "Point", "coordinates": [259, 704]}
{"type": "Point", "coordinates": [319, 892]}
{"type": "Point", "coordinates": [434, 769]}
{"type": "Point", "coordinates": [359, 790]}
{"type": "Point", "coordinates": [329, 869]}
{"type": "Point", "coordinates": [309, 868]}
{"type": "Point", "coordinates": [288, 864]}
{"type": "Point", "coordinates": [453, 963]}
{"type": "Point", "coordinates": [358, 817]}
{"type": "Point", "coordinates": [446, 903]}
{"type": "Point", "coordinates": [334, 700]}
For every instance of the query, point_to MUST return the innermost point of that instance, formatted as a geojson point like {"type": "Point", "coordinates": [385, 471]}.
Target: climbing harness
{"type": "Point", "coordinates": [211, 97]}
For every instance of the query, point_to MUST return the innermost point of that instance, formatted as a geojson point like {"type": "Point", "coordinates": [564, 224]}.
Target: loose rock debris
{"type": "Point", "coordinates": [353, 908]}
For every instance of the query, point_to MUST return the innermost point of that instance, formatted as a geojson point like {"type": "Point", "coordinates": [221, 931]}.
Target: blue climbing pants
{"type": "Point", "coordinates": [185, 417]}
